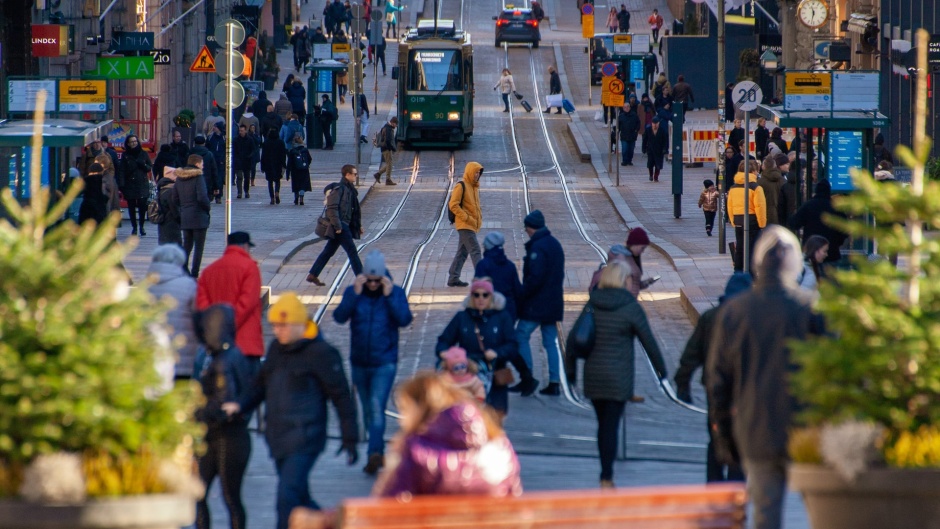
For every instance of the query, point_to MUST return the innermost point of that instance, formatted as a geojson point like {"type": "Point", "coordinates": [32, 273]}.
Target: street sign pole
{"type": "Point", "coordinates": [746, 96]}
{"type": "Point", "coordinates": [722, 116]}
{"type": "Point", "coordinates": [233, 33]}
{"type": "Point", "coordinates": [230, 116]}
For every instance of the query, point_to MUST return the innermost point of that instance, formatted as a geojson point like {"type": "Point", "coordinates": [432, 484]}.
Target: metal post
{"type": "Point", "coordinates": [677, 184]}
{"type": "Point", "coordinates": [746, 260]}
{"type": "Point", "coordinates": [230, 116]}
{"type": "Point", "coordinates": [723, 114]}
{"type": "Point", "coordinates": [617, 150]}
{"type": "Point", "coordinates": [357, 87]}
{"type": "Point", "coordinates": [590, 69]}
{"type": "Point", "coordinates": [610, 155]}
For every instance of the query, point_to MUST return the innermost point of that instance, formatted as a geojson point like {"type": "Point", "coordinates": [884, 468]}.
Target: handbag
{"type": "Point", "coordinates": [553, 100]}
{"type": "Point", "coordinates": [583, 333]}
{"type": "Point", "coordinates": [502, 376]}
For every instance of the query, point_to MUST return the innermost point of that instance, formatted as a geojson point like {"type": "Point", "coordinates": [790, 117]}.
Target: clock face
{"type": "Point", "coordinates": [813, 13]}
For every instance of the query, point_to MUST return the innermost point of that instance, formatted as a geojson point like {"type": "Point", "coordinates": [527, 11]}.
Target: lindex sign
{"type": "Point", "coordinates": [124, 68]}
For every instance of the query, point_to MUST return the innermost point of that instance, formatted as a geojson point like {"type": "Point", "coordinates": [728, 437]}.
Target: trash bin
{"type": "Point", "coordinates": [314, 132]}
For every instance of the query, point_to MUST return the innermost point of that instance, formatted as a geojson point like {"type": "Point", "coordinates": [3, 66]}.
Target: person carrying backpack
{"type": "Point", "coordinates": [167, 214]}
{"type": "Point", "coordinates": [298, 169]}
{"type": "Point", "coordinates": [385, 139]}
{"type": "Point", "coordinates": [464, 205]}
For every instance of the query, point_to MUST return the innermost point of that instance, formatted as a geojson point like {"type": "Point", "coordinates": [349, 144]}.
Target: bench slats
{"type": "Point", "coordinates": [680, 507]}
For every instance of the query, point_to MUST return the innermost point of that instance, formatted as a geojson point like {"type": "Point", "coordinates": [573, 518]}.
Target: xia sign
{"type": "Point", "coordinates": [124, 68]}
{"type": "Point", "coordinates": [50, 40]}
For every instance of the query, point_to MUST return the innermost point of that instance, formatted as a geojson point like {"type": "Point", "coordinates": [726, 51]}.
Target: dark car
{"type": "Point", "coordinates": [517, 25]}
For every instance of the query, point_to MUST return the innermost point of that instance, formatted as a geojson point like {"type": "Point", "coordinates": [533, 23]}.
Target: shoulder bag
{"type": "Point", "coordinates": [583, 333]}
{"type": "Point", "coordinates": [502, 376]}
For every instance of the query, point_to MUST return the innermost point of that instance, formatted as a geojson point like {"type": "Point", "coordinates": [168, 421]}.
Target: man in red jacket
{"type": "Point", "coordinates": [235, 279]}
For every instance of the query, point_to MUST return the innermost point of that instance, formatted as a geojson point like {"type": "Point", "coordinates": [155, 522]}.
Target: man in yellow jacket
{"type": "Point", "coordinates": [468, 218]}
{"type": "Point", "coordinates": [756, 209]}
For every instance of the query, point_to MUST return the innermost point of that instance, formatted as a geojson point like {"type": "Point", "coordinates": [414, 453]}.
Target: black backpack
{"type": "Point", "coordinates": [298, 162]}
{"type": "Point", "coordinates": [450, 214]}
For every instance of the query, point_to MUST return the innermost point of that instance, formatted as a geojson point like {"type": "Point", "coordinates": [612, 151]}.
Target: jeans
{"type": "Point", "coordinates": [608, 421]}
{"type": "Point", "coordinates": [374, 385]}
{"type": "Point", "coordinates": [626, 151]}
{"type": "Point", "coordinates": [293, 485]}
{"type": "Point", "coordinates": [137, 211]}
{"type": "Point", "coordinates": [226, 456]}
{"type": "Point", "coordinates": [524, 330]}
{"type": "Point", "coordinates": [345, 240]}
{"type": "Point", "coordinates": [242, 181]}
{"type": "Point", "coordinates": [767, 488]}
{"type": "Point", "coordinates": [385, 166]}
{"type": "Point", "coordinates": [506, 101]}
{"type": "Point", "coordinates": [467, 245]}
{"type": "Point", "coordinates": [193, 238]}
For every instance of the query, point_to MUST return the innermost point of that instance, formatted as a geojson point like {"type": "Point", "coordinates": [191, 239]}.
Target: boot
{"type": "Point", "coordinates": [296, 198]}
{"type": "Point", "coordinates": [378, 177]}
{"type": "Point", "coordinates": [553, 389]}
{"type": "Point", "coordinates": [277, 198]}
{"type": "Point", "coordinates": [559, 111]}
{"type": "Point", "coordinates": [301, 200]}
{"type": "Point", "coordinates": [547, 110]}
{"type": "Point", "coordinates": [272, 201]}
{"type": "Point", "coordinates": [528, 383]}
{"type": "Point", "coordinates": [376, 462]}
{"type": "Point", "coordinates": [389, 182]}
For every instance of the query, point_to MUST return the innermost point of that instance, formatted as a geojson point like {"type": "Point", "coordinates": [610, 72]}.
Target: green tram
{"type": "Point", "coordinates": [435, 85]}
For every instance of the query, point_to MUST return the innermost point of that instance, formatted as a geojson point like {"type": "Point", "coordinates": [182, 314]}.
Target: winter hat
{"type": "Point", "coordinates": [481, 284]}
{"type": "Point", "coordinates": [534, 220]}
{"type": "Point", "coordinates": [708, 183]}
{"type": "Point", "coordinates": [200, 139]}
{"type": "Point", "coordinates": [617, 252]}
{"type": "Point", "coordinates": [75, 173]}
{"type": "Point", "coordinates": [493, 239]}
{"type": "Point", "coordinates": [738, 282]}
{"type": "Point", "coordinates": [453, 356]}
{"type": "Point", "coordinates": [781, 159]}
{"type": "Point", "coordinates": [288, 309]}
{"type": "Point", "coordinates": [374, 264]}
{"type": "Point", "coordinates": [638, 236]}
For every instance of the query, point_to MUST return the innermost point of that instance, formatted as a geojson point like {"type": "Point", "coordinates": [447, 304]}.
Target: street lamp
{"type": "Point", "coordinates": [770, 63]}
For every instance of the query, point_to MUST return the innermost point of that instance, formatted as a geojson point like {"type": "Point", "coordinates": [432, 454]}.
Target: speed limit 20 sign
{"type": "Point", "coordinates": [746, 96]}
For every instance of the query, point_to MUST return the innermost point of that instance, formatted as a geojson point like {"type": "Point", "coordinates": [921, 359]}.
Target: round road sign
{"type": "Point", "coordinates": [608, 69]}
{"type": "Point", "coordinates": [222, 60]}
{"type": "Point", "coordinates": [746, 95]}
{"type": "Point", "coordinates": [616, 86]}
{"type": "Point", "coordinates": [220, 93]}
{"type": "Point", "coordinates": [238, 33]}
{"type": "Point", "coordinates": [377, 15]}
{"type": "Point", "coordinates": [587, 9]}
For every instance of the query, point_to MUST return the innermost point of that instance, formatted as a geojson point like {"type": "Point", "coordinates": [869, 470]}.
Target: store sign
{"type": "Point", "coordinates": [132, 41]}
{"type": "Point", "coordinates": [933, 54]}
{"type": "Point", "coordinates": [50, 40]}
{"type": "Point", "coordinates": [124, 68]}
{"type": "Point", "coordinates": [161, 57]}
{"type": "Point", "coordinates": [83, 96]}
{"type": "Point", "coordinates": [21, 94]}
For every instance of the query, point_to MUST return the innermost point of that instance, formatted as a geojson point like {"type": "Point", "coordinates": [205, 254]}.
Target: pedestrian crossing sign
{"type": "Point", "coordinates": [204, 62]}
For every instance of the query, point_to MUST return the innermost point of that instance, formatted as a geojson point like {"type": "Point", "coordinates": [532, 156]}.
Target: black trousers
{"type": "Point", "coordinates": [194, 240]}
{"type": "Point", "coordinates": [753, 233]}
{"type": "Point", "coordinates": [608, 421]}
{"type": "Point", "coordinates": [274, 187]}
{"type": "Point", "coordinates": [710, 220]}
{"type": "Point", "coordinates": [227, 454]}
{"type": "Point", "coordinates": [137, 210]}
{"type": "Point", "coordinates": [345, 241]}
{"type": "Point", "coordinates": [715, 471]}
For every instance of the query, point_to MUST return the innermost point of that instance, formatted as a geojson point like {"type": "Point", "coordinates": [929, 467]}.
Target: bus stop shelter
{"type": "Point", "coordinates": [322, 81]}
{"type": "Point", "coordinates": [59, 136]}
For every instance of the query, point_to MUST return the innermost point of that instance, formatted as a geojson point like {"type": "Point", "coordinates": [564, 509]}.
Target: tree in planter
{"type": "Point", "coordinates": [78, 355]}
{"type": "Point", "coordinates": [749, 65]}
{"type": "Point", "coordinates": [881, 364]}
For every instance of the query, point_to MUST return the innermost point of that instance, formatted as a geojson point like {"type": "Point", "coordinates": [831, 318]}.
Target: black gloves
{"type": "Point", "coordinates": [352, 455]}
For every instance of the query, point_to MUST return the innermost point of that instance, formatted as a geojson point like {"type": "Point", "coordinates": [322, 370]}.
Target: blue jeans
{"type": "Point", "coordinates": [524, 330]}
{"type": "Point", "coordinates": [374, 384]}
{"type": "Point", "coordinates": [626, 151]}
{"type": "Point", "coordinates": [345, 240]}
{"type": "Point", "coordinates": [506, 101]}
{"type": "Point", "coordinates": [293, 485]}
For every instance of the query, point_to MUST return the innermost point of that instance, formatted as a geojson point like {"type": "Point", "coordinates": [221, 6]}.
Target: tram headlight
{"type": "Point", "coordinates": [416, 116]}
{"type": "Point", "coordinates": [453, 116]}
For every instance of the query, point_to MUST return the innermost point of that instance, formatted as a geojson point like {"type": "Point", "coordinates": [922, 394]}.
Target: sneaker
{"type": "Point", "coordinates": [378, 177]}
{"type": "Point", "coordinates": [247, 195]}
{"type": "Point", "coordinates": [376, 462]}
{"type": "Point", "coordinates": [624, 164]}
{"type": "Point", "coordinates": [528, 387]}
{"type": "Point", "coordinates": [457, 283]}
{"type": "Point", "coordinates": [315, 280]}
{"type": "Point", "coordinates": [559, 111]}
{"type": "Point", "coordinates": [238, 195]}
{"type": "Point", "coordinates": [277, 198]}
{"type": "Point", "coordinates": [553, 389]}
{"type": "Point", "coordinates": [547, 111]}
{"type": "Point", "coordinates": [391, 183]}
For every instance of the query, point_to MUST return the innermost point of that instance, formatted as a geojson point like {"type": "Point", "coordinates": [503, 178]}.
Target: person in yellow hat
{"type": "Point", "coordinates": [300, 373]}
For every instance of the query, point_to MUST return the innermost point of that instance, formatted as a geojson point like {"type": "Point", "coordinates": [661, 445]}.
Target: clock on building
{"type": "Point", "coordinates": [813, 13]}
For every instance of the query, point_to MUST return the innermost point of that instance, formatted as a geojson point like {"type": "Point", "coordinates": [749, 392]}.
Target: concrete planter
{"type": "Point", "coordinates": [884, 498]}
{"type": "Point", "coordinates": [153, 511]}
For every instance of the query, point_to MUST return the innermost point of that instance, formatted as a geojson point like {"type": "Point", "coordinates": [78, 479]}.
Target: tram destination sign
{"type": "Point", "coordinates": [831, 91]}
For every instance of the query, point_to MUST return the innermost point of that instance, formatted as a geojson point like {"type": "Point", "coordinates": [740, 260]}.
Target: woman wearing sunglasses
{"type": "Point", "coordinates": [486, 332]}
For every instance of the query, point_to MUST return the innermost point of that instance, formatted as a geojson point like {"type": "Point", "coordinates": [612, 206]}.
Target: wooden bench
{"type": "Point", "coordinates": [720, 506]}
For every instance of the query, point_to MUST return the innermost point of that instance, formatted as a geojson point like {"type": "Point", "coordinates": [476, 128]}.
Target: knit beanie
{"type": "Point", "coordinates": [638, 236]}
{"type": "Point", "coordinates": [493, 239]}
{"type": "Point", "coordinates": [288, 309]}
{"type": "Point", "coordinates": [481, 284]}
{"type": "Point", "coordinates": [534, 220]}
{"type": "Point", "coordinates": [453, 356]}
{"type": "Point", "coordinates": [374, 264]}
{"type": "Point", "coordinates": [781, 159]}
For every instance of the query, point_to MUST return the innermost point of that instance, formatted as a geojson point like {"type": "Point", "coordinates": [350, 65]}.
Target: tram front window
{"type": "Point", "coordinates": [435, 70]}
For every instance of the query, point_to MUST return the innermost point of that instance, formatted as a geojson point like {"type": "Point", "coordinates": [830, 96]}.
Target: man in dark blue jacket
{"type": "Point", "coordinates": [301, 372]}
{"type": "Point", "coordinates": [542, 302]}
{"type": "Point", "coordinates": [376, 308]}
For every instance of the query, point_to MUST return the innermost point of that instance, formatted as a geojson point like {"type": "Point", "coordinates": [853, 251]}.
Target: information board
{"type": "Point", "coordinates": [844, 153]}
{"type": "Point", "coordinates": [933, 54]}
{"type": "Point", "coordinates": [322, 52]}
{"type": "Point", "coordinates": [636, 70]}
{"type": "Point", "coordinates": [807, 91]}
{"type": "Point", "coordinates": [83, 96]}
{"type": "Point", "coordinates": [21, 94]}
{"type": "Point", "coordinates": [325, 82]}
{"type": "Point", "coordinates": [630, 44]}
{"type": "Point", "coordinates": [856, 91]}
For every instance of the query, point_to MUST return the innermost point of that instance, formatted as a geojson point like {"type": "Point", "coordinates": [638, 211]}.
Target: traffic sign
{"type": "Point", "coordinates": [203, 62]}
{"type": "Point", "coordinates": [220, 93]}
{"type": "Point", "coordinates": [616, 86]}
{"type": "Point", "coordinates": [587, 9]}
{"type": "Point", "coordinates": [238, 33]}
{"type": "Point", "coordinates": [747, 95]}
{"type": "Point", "coordinates": [587, 25]}
{"type": "Point", "coordinates": [609, 69]}
{"type": "Point", "coordinates": [222, 62]}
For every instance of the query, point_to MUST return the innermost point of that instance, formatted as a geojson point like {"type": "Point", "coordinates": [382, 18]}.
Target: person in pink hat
{"type": "Point", "coordinates": [461, 373]}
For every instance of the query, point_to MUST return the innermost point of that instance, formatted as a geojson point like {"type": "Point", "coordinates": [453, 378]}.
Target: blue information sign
{"type": "Point", "coordinates": [845, 152]}
{"type": "Point", "coordinates": [325, 82]}
{"type": "Point", "coordinates": [636, 69]}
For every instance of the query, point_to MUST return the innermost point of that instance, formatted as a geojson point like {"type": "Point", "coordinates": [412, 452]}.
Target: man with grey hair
{"type": "Point", "coordinates": [748, 363]}
{"type": "Point", "coordinates": [170, 279]}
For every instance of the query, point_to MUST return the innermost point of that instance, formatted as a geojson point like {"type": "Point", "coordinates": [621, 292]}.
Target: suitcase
{"type": "Point", "coordinates": [565, 104]}
{"type": "Point", "coordinates": [526, 106]}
